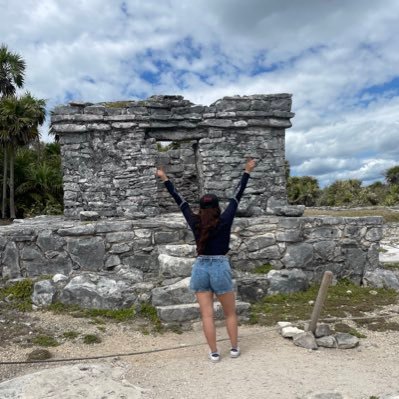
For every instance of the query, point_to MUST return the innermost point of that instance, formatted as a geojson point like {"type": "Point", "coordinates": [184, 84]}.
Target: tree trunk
{"type": "Point", "coordinates": [12, 205]}
{"type": "Point", "coordinates": [4, 199]}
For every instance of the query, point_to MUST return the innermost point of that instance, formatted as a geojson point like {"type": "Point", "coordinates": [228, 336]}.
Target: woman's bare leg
{"type": "Point", "coordinates": [205, 300]}
{"type": "Point", "coordinates": [228, 302]}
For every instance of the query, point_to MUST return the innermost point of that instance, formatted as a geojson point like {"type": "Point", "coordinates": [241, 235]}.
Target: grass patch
{"type": "Point", "coordinates": [95, 314]}
{"type": "Point", "coordinates": [263, 269]}
{"type": "Point", "coordinates": [45, 340]}
{"type": "Point", "coordinates": [70, 334]}
{"type": "Point", "coordinates": [117, 104]}
{"type": "Point", "coordinates": [149, 312]}
{"type": "Point", "coordinates": [391, 265]}
{"type": "Point", "coordinates": [18, 295]}
{"type": "Point", "coordinates": [388, 214]}
{"type": "Point", "coordinates": [377, 324]}
{"type": "Point", "coordinates": [91, 339]}
{"type": "Point", "coordinates": [342, 300]}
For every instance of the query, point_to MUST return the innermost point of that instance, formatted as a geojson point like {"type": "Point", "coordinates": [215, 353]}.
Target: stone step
{"type": "Point", "coordinates": [190, 312]}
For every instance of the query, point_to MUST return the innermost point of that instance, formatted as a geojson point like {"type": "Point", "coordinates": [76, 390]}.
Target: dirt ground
{"type": "Point", "coordinates": [270, 366]}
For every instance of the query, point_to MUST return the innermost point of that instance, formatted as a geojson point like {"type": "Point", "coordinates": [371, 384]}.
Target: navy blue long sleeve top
{"type": "Point", "coordinates": [219, 238]}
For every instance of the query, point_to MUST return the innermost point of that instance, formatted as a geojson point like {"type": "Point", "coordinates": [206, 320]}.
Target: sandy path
{"type": "Point", "coordinates": [271, 367]}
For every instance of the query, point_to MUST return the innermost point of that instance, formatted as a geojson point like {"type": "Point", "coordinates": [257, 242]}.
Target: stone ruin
{"type": "Point", "coordinates": [138, 248]}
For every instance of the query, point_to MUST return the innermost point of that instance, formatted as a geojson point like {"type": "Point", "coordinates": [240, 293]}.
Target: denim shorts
{"type": "Point", "coordinates": [211, 273]}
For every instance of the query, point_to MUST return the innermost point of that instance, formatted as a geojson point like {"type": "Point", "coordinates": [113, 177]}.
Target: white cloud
{"type": "Point", "coordinates": [327, 53]}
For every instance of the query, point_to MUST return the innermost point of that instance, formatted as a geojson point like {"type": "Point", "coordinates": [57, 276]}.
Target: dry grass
{"type": "Point", "coordinates": [389, 215]}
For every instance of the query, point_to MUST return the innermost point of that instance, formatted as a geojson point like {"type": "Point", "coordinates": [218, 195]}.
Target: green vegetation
{"type": "Point", "coordinates": [117, 104]}
{"type": "Point", "coordinates": [343, 299]}
{"type": "Point", "coordinates": [263, 269]}
{"type": "Point", "coordinates": [45, 340]}
{"type": "Point", "coordinates": [18, 295]}
{"type": "Point", "coordinates": [70, 334]}
{"type": "Point", "coordinates": [391, 265]}
{"type": "Point", "coordinates": [96, 314]}
{"type": "Point", "coordinates": [91, 339]}
{"type": "Point", "coordinates": [305, 190]}
{"type": "Point", "coordinates": [20, 118]}
{"type": "Point", "coordinates": [150, 313]}
{"type": "Point", "coordinates": [387, 214]}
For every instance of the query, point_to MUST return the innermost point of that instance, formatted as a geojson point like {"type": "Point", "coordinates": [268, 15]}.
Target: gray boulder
{"type": "Point", "coordinates": [327, 342]}
{"type": "Point", "coordinates": [174, 294]}
{"type": "Point", "coordinates": [322, 330]}
{"type": "Point", "coordinates": [173, 266]}
{"type": "Point", "coordinates": [252, 287]}
{"type": "Point", "coordinates": [43, 293]}
{"type": "Point", "coordinates": [305, 340]}
{"type": "Point", "coordinates": [286, 281]}
{"type": "Point", "coordinates": [381, 278]}
{"type": "Point", "coordinates": [346, 341]}
{"type": "Point", "coordinates": [97, 292]}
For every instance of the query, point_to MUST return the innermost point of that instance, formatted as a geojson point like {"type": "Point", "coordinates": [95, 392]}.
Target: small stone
{"type": "Point", "coordinates": [305, 340]}
{"type": "Point", "coordinates": [327, 342]}
{"type": "Point", "coordinates": [373, 292]}
{"type": "Point", "coordinates": [283, 324]}
{"type": "Point", "coordinates": [346, 341]}
{"type": "Point", "coordinates": [290, 332]}
{"type": "Point", "coordinates": [322, 330]}
{"type": "Point", "coordinates": [59, 277]}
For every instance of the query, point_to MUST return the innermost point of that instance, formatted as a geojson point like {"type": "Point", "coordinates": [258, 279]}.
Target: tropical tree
{"type": "Point", "coordinates": [20, 118]}
{"type": "Point", "coordinates": [12, 70]}
{"type": "Point", "coordinates": [303, 190]}
{"type": "Point", "coordinates": [392, 175]}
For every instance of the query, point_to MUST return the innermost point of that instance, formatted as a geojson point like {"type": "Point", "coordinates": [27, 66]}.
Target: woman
{"type": "Point", "coordinates": [211, 272]}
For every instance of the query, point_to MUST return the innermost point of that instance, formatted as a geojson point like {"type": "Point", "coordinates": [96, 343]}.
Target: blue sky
{"type": "Point", "coordinates": [339, 59]}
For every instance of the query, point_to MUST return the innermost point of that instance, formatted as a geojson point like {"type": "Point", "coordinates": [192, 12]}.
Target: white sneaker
{"type": "Point", "coordinates": [235, 352]}
{"type": "Point", "coordinates": [214, 357]}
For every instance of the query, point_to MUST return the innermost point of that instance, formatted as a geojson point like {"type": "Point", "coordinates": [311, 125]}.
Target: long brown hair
{"type": "Point", "coordinates": [208, 219]}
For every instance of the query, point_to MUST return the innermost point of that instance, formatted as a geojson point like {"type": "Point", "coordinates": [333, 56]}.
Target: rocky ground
{"type": "Point", "coordinates": [171, 365]}
{"type": "Point", "coordinates": [270, 366]}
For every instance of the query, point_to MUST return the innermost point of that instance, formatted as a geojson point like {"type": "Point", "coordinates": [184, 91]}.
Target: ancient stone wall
{"type": "Point", "coordinates": [48, 245]}
{"type": "Point", "coordinates": [109, 152]}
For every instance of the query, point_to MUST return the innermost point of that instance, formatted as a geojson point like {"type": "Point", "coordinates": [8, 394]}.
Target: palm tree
{"type": "Point", "coordinates": [392, 175]}
{"type": "Point", "coordinates": [19, 122]}
{"type": "Point", "coordinates": [12, 69]}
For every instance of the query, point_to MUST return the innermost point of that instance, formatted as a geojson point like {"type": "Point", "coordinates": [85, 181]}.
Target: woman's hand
{"type": "Point", "coordinates": [250, 165]}
{"type": "Point", "coordinates": [161, 174]}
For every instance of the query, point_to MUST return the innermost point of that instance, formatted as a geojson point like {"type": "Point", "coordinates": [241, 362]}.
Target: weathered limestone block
{"type": "Point", "coordinates": [48, 240]}
{"type": "Point", "coordinates": [298, 256]}
{"type": "Point", "coordinates": [174, 294]}
{"type": "Point", "coordinates": [324, 250]}
{"type": "Point", "coordinates": [259, 242]}
{"type": "Point", "coordinates": [10, 261]}
{"type": "Point", "coordinates": [252, 287]}
{"type": "Point", "coordinates": [87, 253]}
{"type": "Point", "coordinates": [97, 292]}
{"type": "Point", "coordinates": [43, 293]}
{"type": "Point", "coordinates": [381, 278]}
{"type": "Point", "coordinates": [172, 266]}
{"type": "Point", "coordinates": [180, 250]}
{"type": "Point", "coordinates": [286, 281]}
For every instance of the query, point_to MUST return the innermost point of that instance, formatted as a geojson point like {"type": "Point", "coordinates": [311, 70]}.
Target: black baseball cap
{"type": "Point", "coordinates": [209, 201]}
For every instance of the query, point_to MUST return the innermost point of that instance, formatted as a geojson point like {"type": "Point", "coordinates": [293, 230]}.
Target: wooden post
{"type": "Point", "coordinates": [321, 297]}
